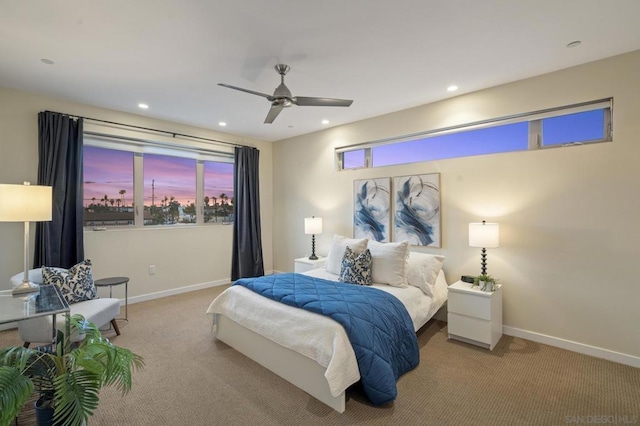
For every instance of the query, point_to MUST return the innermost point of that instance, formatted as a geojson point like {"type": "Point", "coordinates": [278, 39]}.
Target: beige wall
{"type": "Point", "coordinates": [568, 216]}
{"type": "Point", "coordinates": [184, 256]}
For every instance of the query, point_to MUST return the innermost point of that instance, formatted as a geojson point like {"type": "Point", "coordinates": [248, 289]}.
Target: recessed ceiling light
{"type": "Point", "coordinates": [222, 123]}
{"type": "Point", "coordinates": [452, 88]}
{"type": "Point", "coordinates": [46, 61]}
{"type": "Point", "coordinates": [574, 44]}
{"type": "Point", "coordinates": [143, 106]}
{"type": "Point", "coordinates": [325, 121]}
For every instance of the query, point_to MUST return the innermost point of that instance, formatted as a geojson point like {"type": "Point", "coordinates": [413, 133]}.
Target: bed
{"type": "Point", "coordinates": [313, 351]}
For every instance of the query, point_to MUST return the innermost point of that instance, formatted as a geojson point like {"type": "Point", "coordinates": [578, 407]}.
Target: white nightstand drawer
{"type": "Point", "coordinates": [471, 328]}
{"type": "Point", "coordinates": [470, 305]}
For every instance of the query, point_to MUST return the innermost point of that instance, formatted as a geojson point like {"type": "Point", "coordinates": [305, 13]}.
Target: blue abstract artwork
{"type": "Point", "coordinates": [371, 210]}
{"type": "Point", "coordinates": [417, 209]}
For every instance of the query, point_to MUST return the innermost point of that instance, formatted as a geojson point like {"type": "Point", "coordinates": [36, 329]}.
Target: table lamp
{"type": "Point", "coordinates": [313, 226]}
{"type": "Point", "coordinates": [25, 203]}
{"type": "Point", "coordinates": [484, 235]}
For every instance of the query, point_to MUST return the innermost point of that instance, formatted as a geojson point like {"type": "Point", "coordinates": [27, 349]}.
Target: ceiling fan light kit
{"type": "Point", "coordinates": [282, 97]}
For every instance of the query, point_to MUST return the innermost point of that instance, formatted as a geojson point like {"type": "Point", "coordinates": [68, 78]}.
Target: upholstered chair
{"type": "Point", "coordinates": [99, 311]}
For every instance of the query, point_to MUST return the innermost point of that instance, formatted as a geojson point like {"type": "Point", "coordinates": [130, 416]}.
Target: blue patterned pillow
{"type": "Point", "coordinates": [356, 268]}
{"type": "Point", "coordinates": [75, 283]}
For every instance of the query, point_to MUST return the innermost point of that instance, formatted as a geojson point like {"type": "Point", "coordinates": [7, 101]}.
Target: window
{"type": "Point", "coordinates": [510, 137]}
{"type": "Point", "coordinates": [218, 190]}
{"type": "Point", "coordinates": [354, 159]}
{"type": "Point", "coordinates": [108, 187]}
{"type": "Point", "coordinates": [169, 190]}
{"type": "Point", "coordinates": [174, 186]}
{"type": "Point", "coordinates": [589, 122]}
{"type": "Point", "coordinates": [574, 128]}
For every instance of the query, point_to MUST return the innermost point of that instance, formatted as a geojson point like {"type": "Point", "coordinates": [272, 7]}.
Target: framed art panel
{"type": "Point", "coordinates": [417, 209]}
{"type": "Point", "coordinates": [372, 209]}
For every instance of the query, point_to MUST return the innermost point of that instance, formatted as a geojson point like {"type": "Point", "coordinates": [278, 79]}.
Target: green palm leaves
{"type": "Point", "coordinates": [71, 378]}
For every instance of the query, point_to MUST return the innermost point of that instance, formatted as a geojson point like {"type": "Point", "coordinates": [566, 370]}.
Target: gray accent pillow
{"type": "Point", "coordinates": [75, 283]}
{"type": "Point", "coordinates": [356, 268]}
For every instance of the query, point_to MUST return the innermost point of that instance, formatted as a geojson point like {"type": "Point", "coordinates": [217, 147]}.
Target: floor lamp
{"type": "Point", "coordinates": [313, 226]}
{"type": "Point", "coordinates": [25, 203]}
{"type": "Point", "coordinates": [484, 235]}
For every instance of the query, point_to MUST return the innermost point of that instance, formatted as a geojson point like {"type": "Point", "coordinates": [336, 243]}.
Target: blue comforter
{"type": "Point", "coordinates": [378, 325]}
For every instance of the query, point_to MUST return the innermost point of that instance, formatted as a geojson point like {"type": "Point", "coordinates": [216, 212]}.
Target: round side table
{"type": "Point", "coordinates": [114, 281]}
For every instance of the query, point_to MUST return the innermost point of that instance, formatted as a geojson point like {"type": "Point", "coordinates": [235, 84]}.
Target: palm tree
{"type": "Point", "coordinates": [173, 208]}
{"type": "Point", "coordinates": [105, 199]}
{"type": "Point", "coordinates": [223, 204]}
{"type": "Point", "coordinates": [122, 192]}
{"type": "Point", "coordinates": [215, 207]}
{"type": "Point", "coordinates": [207, 213]}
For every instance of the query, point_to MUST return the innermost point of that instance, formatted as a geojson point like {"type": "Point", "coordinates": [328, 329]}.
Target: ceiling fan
{"type": "Point", "coordinates": [282, 97]}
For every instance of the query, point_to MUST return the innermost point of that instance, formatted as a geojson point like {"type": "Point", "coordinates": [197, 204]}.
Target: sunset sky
{"type": "Point", "coordinates": [107, 172]}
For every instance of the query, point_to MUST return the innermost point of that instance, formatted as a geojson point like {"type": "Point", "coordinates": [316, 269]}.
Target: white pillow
{"type": "Point", "coordinates": [336, 251]}
{"type": "Point", "coordinates": [423, 270]}
{"type": "Point", "coordinates": [389, 264]}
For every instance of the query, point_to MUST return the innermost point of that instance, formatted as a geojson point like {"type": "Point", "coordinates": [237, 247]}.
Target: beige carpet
{"type": "Point", "coordinates": [192, 379]}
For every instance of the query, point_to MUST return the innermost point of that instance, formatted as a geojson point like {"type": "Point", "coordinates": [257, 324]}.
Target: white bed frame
{"type": "Point", "coordinates": [297, 369]}
{"type": "Point", "coordinates": [301, 371]}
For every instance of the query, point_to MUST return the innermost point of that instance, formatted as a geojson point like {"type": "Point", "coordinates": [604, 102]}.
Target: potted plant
{"type": "Point", "coordinates": [67, 379]}
{"type": "Point", "coordinates": [486, 282]}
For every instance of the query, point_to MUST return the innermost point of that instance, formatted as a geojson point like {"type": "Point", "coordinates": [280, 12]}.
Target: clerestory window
{"type": "Point", "coordinates": [573, 125]}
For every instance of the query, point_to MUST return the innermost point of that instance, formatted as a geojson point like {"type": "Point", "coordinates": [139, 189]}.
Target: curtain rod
{"type": "Point", "coordinates": [173, 134]}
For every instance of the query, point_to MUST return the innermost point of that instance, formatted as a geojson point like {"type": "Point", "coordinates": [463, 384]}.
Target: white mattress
{"type": "Point", "coordinates": [313, 335]}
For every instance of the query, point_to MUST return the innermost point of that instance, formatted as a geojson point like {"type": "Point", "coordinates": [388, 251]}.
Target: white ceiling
{"type": "Point", "coordinates": [385, 55]}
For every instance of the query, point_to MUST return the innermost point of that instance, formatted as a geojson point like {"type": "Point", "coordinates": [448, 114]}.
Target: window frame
{"type": "Point", "coordinates": [534, 119]}
{"type": "Point", "coordinates": [140, 148]}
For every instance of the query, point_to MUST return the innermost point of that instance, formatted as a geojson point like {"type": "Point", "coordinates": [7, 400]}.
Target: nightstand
{"type": "Point", "coordinates": [475, 316]}
{"type": "Point", "coordinates": [305, 264]}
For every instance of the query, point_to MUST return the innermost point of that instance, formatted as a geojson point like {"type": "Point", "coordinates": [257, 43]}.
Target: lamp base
{"type": "Point", "coordinates": [313, 248]}
{"type": "Point", "coordinates": [25, 287]}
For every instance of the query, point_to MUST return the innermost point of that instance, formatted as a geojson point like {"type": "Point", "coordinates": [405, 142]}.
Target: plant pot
{"type": "Point", "coordinates": [487, 286]}
{"type": "Point", "coordinates": [44, 412]}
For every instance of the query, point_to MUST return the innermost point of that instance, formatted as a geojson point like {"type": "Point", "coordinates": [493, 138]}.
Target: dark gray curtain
{"type": "Point", "coordinates": [247, 240]}
{"type": "Point", "coordinates": [60, 242]}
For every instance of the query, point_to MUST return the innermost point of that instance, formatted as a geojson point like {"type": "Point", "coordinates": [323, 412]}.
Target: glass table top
{"type": "Point", "coordinates": [47, 301]}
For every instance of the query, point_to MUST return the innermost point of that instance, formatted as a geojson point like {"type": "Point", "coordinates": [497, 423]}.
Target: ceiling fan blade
{"type": "Point", "coordinates": [307, 101]}
{"type": "Point", "coordinates": [264, 95]}
{"type": "Point", "coordinates": [273, 113]}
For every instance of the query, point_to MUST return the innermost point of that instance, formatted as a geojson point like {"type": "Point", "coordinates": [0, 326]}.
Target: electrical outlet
{"type": "Point", "coordinates": [152, 269]}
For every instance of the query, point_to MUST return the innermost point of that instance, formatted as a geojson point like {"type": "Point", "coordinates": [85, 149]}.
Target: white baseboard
{"type": "Point", "coordinates": [607, 354]}
{"type": "Point", "coordinates": [179, 290]}
{"type": "Point", "coordinates": [8, 326]}
{"type": "Point", "coordinates": [174, 291]}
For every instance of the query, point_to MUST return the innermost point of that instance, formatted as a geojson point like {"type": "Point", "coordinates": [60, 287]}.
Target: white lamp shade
{"type": "Point", "coordinates": [485, 235]}
{"type": "Point", "coordinates": [25, 203]}
{"type": "Point", "coordinates": [313, 225]}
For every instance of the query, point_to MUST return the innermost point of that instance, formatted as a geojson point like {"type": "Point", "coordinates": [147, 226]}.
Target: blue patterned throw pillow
{"type": "Point", "coordinates": [356, 268]}
{"type": "Point", "coordinates": [75, 283]}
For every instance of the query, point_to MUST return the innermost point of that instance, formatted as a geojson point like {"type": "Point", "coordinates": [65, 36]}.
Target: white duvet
{"type": "Point", "coordinates": [313, 335]}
